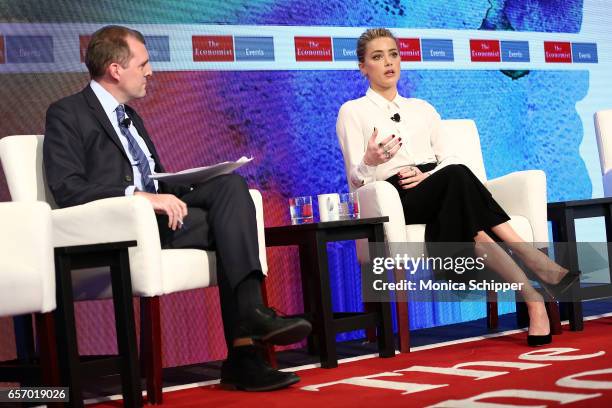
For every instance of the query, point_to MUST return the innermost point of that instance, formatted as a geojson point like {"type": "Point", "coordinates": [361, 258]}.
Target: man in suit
{"type": "Point", "coordinates": [97, 147]}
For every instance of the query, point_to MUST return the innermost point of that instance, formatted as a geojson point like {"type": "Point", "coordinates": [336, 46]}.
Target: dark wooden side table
{"type": "Point", "coordinates": [312, 241]}
{"type": "Point", "coordinates": [563, 216]}
{"type": "Point", "coordinates": [73, 368]}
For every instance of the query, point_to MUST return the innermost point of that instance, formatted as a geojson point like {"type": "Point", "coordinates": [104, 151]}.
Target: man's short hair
{"type": "Point", "coordinates": [109, 45]}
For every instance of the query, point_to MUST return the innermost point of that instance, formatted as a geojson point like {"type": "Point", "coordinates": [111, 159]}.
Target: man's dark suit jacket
{"type": "Point", "coordinates": [83, 157]}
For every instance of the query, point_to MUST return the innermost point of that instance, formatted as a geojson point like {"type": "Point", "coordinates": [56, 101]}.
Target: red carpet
{"type": "Point", "coordinates": [575, 369]}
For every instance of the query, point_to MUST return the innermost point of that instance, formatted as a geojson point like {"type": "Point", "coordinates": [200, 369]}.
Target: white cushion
{"type": "Point", "coordinates": [22, 164]}
{"type": "Point", "coordinates": [184, 269]}
{"type": "Point", "coordinates": [181, 269]}
{"type": "Point", "coordinates": [524, 193]}
{"type": "Point", "coordinates": [522, 226]}
{"type": "Point", "coordinates": [603, 131]}
{"type": "Point", "coordinates": [27, 272]}
{"type": "Point", "coordinates": [462, 136]}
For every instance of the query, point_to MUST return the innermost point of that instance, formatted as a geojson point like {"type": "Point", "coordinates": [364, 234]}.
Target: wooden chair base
{"type": "Point", "coordinates": [492, 311]}
{"type": "Point", "coordinates": [151, 348]}
{"type": "Point", "coordinates": [552, 309]}
{"type": "Point", "coordinates": [32, 371]}
{"type": "Point", "coordinates": [72, 367]}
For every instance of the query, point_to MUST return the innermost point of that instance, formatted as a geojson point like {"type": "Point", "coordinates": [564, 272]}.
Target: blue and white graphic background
{"type": "Point", "coordinates": [286, 118]}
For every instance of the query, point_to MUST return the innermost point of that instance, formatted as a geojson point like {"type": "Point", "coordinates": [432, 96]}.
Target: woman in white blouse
{"type": "Point", "coordinates": [385, 136]}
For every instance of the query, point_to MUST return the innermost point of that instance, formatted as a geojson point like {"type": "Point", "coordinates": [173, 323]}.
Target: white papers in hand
{"type": "Point", "coordinates": [201, 174]}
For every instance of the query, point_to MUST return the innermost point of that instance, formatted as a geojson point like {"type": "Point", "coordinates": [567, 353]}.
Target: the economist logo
{"type": "Point", "coordinates": [555, 51]}
{"type": "Point", "coordinates": [1, 49]}
{"type": "Point", "coordinates": [83, 43]}
{"type": "Point", "coordinates": [213, 48]}
{"type": "Point", "coordinates": [410, 49]}
{"type": "Point", "coordinates": [485, 51]}
{"type": "Point", "coordinates": [313, 48]}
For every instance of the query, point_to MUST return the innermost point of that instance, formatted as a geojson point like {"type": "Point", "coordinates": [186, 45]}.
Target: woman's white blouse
{"type": "Point", "coordinates": [419, 127]}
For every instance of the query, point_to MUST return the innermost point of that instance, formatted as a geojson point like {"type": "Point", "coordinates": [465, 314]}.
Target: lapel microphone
{"type": "Point", "coordinates": [395, 118]}
{"type": "Point", "coordinates": [126, 122]}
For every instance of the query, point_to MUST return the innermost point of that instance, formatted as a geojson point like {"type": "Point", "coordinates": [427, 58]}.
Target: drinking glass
{"type": "Point", "coordinates": [349, 206]}
{"type": "Point", "coordinates": [301, 210]}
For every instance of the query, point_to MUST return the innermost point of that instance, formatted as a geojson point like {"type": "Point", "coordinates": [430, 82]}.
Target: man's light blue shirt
{"type": "Point", "coordinates": [109, 104]}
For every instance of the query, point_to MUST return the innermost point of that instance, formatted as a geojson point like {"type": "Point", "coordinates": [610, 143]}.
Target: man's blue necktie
{"type": "Point", "coordinates": [136, 152]}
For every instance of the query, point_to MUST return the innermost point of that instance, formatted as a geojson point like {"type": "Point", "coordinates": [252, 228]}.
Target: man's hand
{"type": "Point", "coordinates": [167, 204]}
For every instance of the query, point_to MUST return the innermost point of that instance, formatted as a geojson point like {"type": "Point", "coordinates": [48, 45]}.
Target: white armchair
{"type": "Point", "coordinates": [27, 281]}
{"type": "Point", "coordinates": [603, 131]}
{"type": "Point", "coordinates": [155, 271]}
{"type": "Point", "coordinates": [521, 194]}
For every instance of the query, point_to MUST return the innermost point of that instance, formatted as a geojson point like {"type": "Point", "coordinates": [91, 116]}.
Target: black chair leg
{"type": "Point", "coordinates": [24, 337]}
{"type": "Point", "coordinates": [66, 330]}
{"type": "Point", "coordinates": [126, 332]}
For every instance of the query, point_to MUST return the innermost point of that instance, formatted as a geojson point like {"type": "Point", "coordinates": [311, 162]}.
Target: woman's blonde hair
{"type": "Point", "coordinates": [369, 35]}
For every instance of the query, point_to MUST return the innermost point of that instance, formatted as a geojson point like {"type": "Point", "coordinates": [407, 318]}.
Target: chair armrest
{"type": "Point", "coordinates": [381, 199]}
{"type": "Point", "coordinates": [107, 220]}
{"type": "Point", "coordinates": [607, 183]}
{"type": "Point", "coordinates": [258, 201]}
{"type": "Point", "coordinates": [524, 193]}
{"type": "Point", "coordinates": [125, 219]}
{"type": "Point", "coordinates": [116, 219]}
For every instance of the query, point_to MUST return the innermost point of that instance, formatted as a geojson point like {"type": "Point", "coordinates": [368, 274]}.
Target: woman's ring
{"type": "Point", "coordinates": [387, 154]}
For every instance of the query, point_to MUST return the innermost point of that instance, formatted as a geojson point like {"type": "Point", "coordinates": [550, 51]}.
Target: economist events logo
{"type": "Point", "coordinates": [485, 51]}
{"type": "Point", "coordinates": [555, 51]}
{"type": "Point", "coordinates": [313, 48]}
{"type": "Point", "coordinates": [410, 49]}
{"type": "Point", "coordinates": [213, 48]}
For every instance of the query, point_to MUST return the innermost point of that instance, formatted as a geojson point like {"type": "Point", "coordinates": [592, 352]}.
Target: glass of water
{"type": "Point", "coordinates": [301, 210]}
{"type": "Point", "coordinates": [349, 206]}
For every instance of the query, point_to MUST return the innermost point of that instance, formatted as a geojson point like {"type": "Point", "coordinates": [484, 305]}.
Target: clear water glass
{"type": "Point", "coordinates": [301, 210]}
{"type": "Point", "coordinates": [349, 206]}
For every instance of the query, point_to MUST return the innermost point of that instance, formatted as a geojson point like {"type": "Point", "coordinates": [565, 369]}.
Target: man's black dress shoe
{"type": "Point", "coordinates": [538, 340]}
{"type": "Point", "coordinates": [263, 324]}
{"type": "Point", "coordinates": [245, 369]}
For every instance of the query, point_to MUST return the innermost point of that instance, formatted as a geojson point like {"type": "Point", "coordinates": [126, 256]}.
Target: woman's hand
{"type": "Point", "coordinates": [410, 177]}
{"type": "Point", "coordinates": [379, 153]}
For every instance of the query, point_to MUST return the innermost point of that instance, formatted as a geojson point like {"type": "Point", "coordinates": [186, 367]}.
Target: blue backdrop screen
{"type": "Point", "coordinates": [532, 114]}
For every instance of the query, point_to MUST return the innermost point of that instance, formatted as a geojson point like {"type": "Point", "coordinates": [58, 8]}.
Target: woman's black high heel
{"type": "Point", "coordinates": [555, 291]}
{"type": "Point", "coordinates": [534, 340]}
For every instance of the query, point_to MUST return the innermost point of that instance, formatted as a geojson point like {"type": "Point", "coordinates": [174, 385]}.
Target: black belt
{"type": "Point", "coordinates": [426, 167]}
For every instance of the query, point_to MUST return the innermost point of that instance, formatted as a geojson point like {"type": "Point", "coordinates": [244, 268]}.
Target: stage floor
{"type": "Point", "coordinates": [178, 377]}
